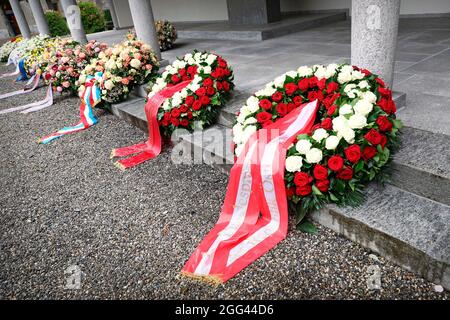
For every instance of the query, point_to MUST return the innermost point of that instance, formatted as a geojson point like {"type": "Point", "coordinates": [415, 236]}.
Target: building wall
{"type": "Point", "coordinates": [209, 10]}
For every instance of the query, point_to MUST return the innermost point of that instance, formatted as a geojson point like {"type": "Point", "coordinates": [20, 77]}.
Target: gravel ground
{"type": "Point", "coordinates": [130, 233]}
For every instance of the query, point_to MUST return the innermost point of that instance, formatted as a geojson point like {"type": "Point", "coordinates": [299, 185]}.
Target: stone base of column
{"type": "Point", "coordinates": [253, 11]}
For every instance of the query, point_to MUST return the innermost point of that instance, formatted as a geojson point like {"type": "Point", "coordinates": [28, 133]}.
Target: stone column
{"type": "Point", "coordinates": [374, 36]}
{"type": "Point", "coordinates": [144, 23]}
{"type": "Point", "coordinates": [5, 25]}
{"type": "Point", "coordinates": [20, 18]}
{"type": "Point", "coordinates": [39, 17]}
{"type": "Point", "coordinates": [253, 11]}
{"type": "Point", "coordinates": [112, 10]}
{"type": "Point", "coordinates": [73, 17]}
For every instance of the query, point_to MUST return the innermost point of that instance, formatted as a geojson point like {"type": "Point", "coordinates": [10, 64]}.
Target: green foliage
{"type": "Point", "coordinates": [56, 23]}
{"type": "Point", "coordinates": [92, 17]}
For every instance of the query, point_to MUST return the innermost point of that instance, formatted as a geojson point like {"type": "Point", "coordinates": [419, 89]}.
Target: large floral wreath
{"type": "Point", "coordinates": [124, 65]}
{"type": "Point", "coordinates": [198, 104]}
{"type": "Point", "coordinates": [350, 144]}
{"type": "Point", "coordinates": [8, 47]}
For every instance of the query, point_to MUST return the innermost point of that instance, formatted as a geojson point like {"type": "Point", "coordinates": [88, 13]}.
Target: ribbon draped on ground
{"type": "Point", "coordinates": [34, 106]}
{"type": "Point", "coordinates": [33, 80]}
{"type": "Point", "coordinates": [10, 74]}
{"type": "Point", "coordinates": [152, 147]}
{"type": "Point", "coordinates": [254, 216]}
{"type": "Point", "coordinates": [91, 97]}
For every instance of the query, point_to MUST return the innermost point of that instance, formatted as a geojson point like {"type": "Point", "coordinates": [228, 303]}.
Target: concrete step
{"type": "Point", "coordinates": [411, 231]}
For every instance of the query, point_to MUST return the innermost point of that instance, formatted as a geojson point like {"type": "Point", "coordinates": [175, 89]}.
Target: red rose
{"type": "Point", "coordinates": [166, 116]}
{"type": "Point", "coordinates": [182, 72]}
{"type": "Point", "coordinates": [263, 116]}
{"type": "Point", "coordinates": [190, 100]}
{"type": "Point", "coordinates": [282, 109]}
{"type": "Point", "coordinates": [345, 174]}
{"type": "Point", "coordinates": [323, 185]}
{"type": "Point", "coordinates": [210, 91]}
{"type": "Point", "coordinates": [383, 140]}
{"type": "Point", "coordinates": [331, 110]}
{"type": "Point", "coordinates": [373, 136]}
{"type": "Point", "coordinates": [277, 96]}
{"type": "Point", "coordinates": [164, 122]}
{"type": "Point", "coordinates": [303, 190]}
{"type": "Point", "coordinates": [200, 91]}
{"type": "Point", "coordinates": [321, 84]}
{"type": "Point", "coordinates": [369, 152]}
{"type": "Point", "coordinates": [175, 78]}
{"type": "Point", "coordinates": [290, 106]}
{"type": "Point", "coordinates": [303, 84]}
{"type": "Point", "coordinates": [267, 123]}
{"type": "Point", "coordinates": [184, 122]}
{"type": "Point", "coordinates": [327, 123]}
{"type": "Point", "coordinates": [189, 115]}
{"type": "Point", "coordinates": [265, 104]}
{"type": "Point", "coordinates": [226, 86]}
{"type": "Point", "coordinates": [313, 81]}
{"type": "Point", "coordinates": [302, 179]}
{"type": "Point", "coordinates": [196, 105]}
{"type": "Point", "coordinates": [47, 76]}
{"type": "Point", "coordinates": [298, 100]}
{"type": "Point", "coordinates": [366, 72]}
{"type": "Point", "coordinates": [380, 82]}
{"type": "Point", "coordinates": [290, 192]}
{"type": "Point", "coordinates": [219, 85]}
{"type": "Point", "coordinates": [332, 87]}
{"type": "Point", "coordinates": [313, 95]}
{"type": "Point", "coordinates": [328, 101]}
{"type": "Point", "coordinates": [385, 93]}
{"type": "Point", "coordinates": [320, 172]}
{"type": "Point", "coordinates": [290, 88]}
{"type": "Point", "coordinates": [207, 82]}
{"type": "Point", "coordinates": [192, 70]}
{"type": "Point", "coordinates": [335, 162]}
{"type": "Point", "coordinates": [222, 63]}
{"type": "Point", "coordinates": [175, 112]}
{"type": "Point", "coordinates": [205, 100]}
{"type": "Point", "coordinates": [184, 108]}
{"type": "Point", "coordinates": [175, 122]}
{"type": "Point", "coordinates": [353, 153]}
{"type": "Point", "coordinates": [384, 124]}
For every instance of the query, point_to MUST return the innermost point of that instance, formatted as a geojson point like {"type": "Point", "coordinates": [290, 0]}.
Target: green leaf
{"type": "Point", "coordinates": [333, 197]}
{"type": "Point", "coordinates": [307, 227]}
{"type": "Point", "coordinates": [316, 191]}
{"type": "Point", "coordinates": [359, 166]}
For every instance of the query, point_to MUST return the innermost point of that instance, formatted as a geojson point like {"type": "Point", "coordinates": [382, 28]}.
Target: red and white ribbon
{"type": "Point", "coordinates": [34, 106]}
{"type": "Point", "coordinates": [33, 80]}
{"type": "Point", "coordinates": [150, 149]}
{"type": "Point", "coordinates": [254, 216]}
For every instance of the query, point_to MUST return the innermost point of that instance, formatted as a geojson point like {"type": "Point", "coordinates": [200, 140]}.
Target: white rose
{"type": "Point", "coordinates": [279, 81]}
{"type": "Point", "coordinates": [237, 133]}
{"type": "Point", "coordinates": [207, 70]}
{"type": "Point", "coordinates": [166, 105]}
{"type": "Point", "coordinates": [320, 134]}
{"type": "Point", "coordinates": [314, 155]}
{"type": "Point", "coordinates": [294, 163]}
{"type": "Point", "coordinates": [363, 84]}
{"type": "Point", "coordinates": [369, 96]}
{"type": "Point", "coordinates": [304, 71]}
{"type": "Point", "coordinates": [331, 70]}
{"type": "Point", "coordinates": [363, 107]}
{"type": "Point", "coordinates": [348, 134]}
{"type": "Point", "coordinates": [357, 121]}
{"type": "Point", "coordinates": [187, 56]}
{"type": "Point", "coordinates": [345, 109]}
{"type": "Point", "coordinates": [109, 84]}
{"type": "Point", "coordinates": [344, 77]}
{"type": "Point", "coordinates": [191, 61]}
{"type": "Point", "coordinates": [253, 104]}
{"type": "Point", "coordinates": [194, 87]}
{"type": "Point", "coordinates": [197, 55]}
{"type": "Point", "coordinates": [303, 146]}
{"type": "Point", "coordinates": [176, 101]}
{"type": "Point", "coordinates": [241, 117]}
{"type": "Point", "coordinates": [357, 75]}
{"type": "Point", "coordinates": [332, 142]}
{"type": "Point", "coordinates": [347, 68]}
{"type": "Point", "coordinates": [135, 63]}
{"type": "Point", "coordinates": [349, 87]}
{"type": "Point", "coordinates": [339, 123]}
{"type": "Point", "coordinates": [291, 74]}
{"type": "Point", "coordinates": [250, 120]}
{"type": "Point", "coordinates": [321, 72]}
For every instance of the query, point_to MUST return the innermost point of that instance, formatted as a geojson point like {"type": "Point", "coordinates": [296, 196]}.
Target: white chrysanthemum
{"type": "Point", "coordinates": [357, 75]}
{"type": "Point", "coordinates": [314, 155]}
{"type": "Point", "coordinates": [369, 96]}
{"type": "Point", "coordinates": [291, 74]}
{"type": "Point", "coordinates": [303, 146]}
{"type": "Point", "coordinates": [331, 70]}
{"type": "Point", "coordinates": [332, 142]}
{"type": "Point", "coordinates": [191, 61]}
{"type": "Point", "coordinates": [344, 77]}
{"type": "Point", "coordinates": [304, 71]}
{"type": "Point", "coordinates": [363, 84]}
{"type": "Point", "coordinates": [321, 72]}
{"type": "Point", "coordinates": [253, 104]}
{"type": "Point", "coordinates": [187, 56]}
{"type": "Point", "coordinates": [320, 134]}
{"type": "Point", "coordinates": [237, 133]}
{"type": "Point", "coordinates": [294, 163]}
{"type": "Point", "coordinates": [347, 68]}
{"type": "Point", "coordinates": [357, 121]}
{"type": "Point", "coordinates": [363, 107]}
{"type": "Point", "coordinates": [345, 109]}
{"type": "Point", "coordinates": [349, 87]}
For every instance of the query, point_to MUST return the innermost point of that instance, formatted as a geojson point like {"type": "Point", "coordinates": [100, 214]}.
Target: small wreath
{"type": "Point", "coordinates": [167, 34]}
{"type": "Point", "coordinates": [350, 144]}
{"type": "Point", "coordinates": [199, 103]}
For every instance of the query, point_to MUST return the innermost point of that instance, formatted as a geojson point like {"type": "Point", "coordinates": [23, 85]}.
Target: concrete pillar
{"type": "Point", "coordinates": [6, 30]}
{"type": "Point", "coordinates": [112, 10]}
{"type": "Point", "coordinates": [73, 17]}
{"type": "Point", "coordinates": [20, 18]}
{"type": "Point", "coordinates": [374, 36]}
{"type": "Point", "coordinates": [39, 17]}
{"type": "Point", "coordinates": [253, 11]}
{"type": "Point", "coordinates": [144, 23]}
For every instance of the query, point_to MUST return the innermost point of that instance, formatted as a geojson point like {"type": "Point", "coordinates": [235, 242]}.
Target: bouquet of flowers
{"type": "Point", "coordinates": [67, 62]}
{"type": "Point", "coordinates": [350, 144]}
{"type": "Point", "coordinates": [8, 47]}
{"type": "Point", "coordinates": [167, 34]}
{"type": "Point", "coordinates": [125, 65]}
{"type": "Point", "coordinates": [198, 104]}
{"type": "Point", "coordinates": [26, 47]}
